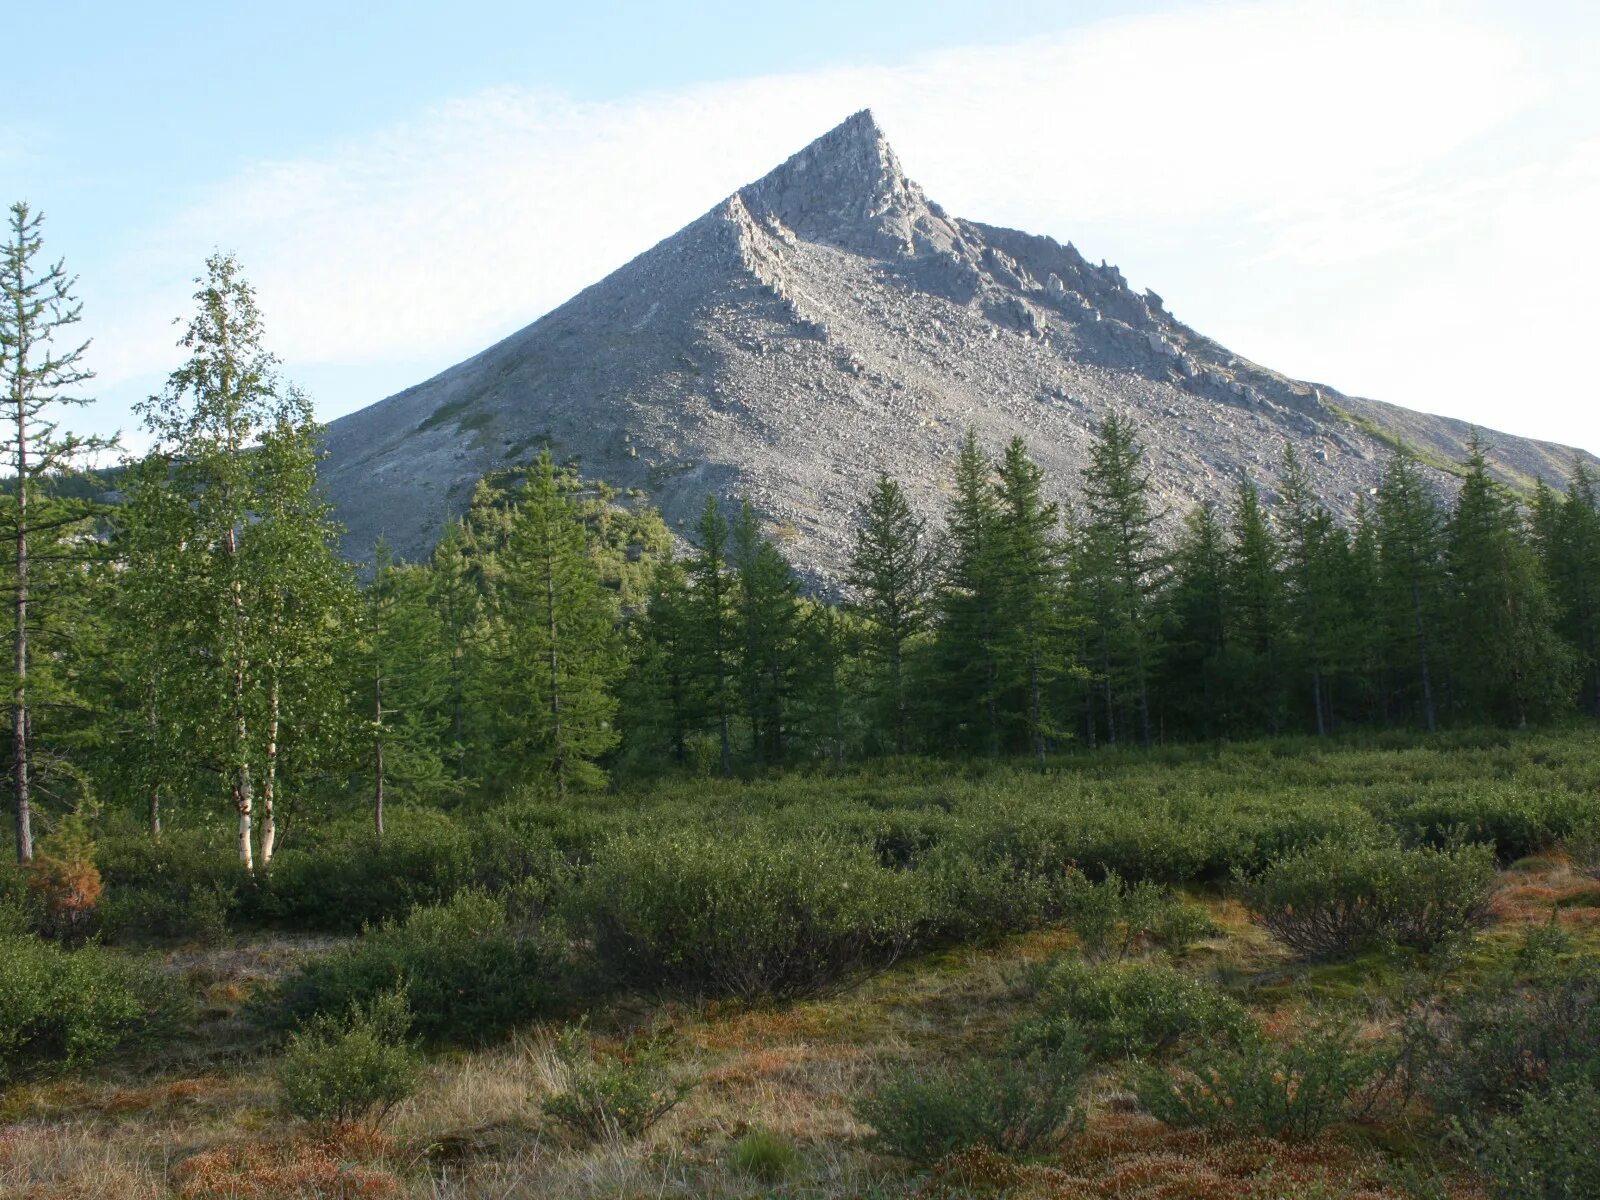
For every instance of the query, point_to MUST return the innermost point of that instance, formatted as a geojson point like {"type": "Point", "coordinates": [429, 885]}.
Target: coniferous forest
{"type": "Point", "coordinates": [1279, 826]}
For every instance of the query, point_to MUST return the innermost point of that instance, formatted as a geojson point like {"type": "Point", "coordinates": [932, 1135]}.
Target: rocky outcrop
{"type": "Point", "coordinates": [827, 322]}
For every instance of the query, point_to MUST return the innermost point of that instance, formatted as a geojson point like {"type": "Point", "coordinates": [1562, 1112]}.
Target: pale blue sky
{"type": "Point", "coordinates": [1395, 198]}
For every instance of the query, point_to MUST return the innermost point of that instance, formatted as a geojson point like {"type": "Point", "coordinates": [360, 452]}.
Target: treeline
{"type": "Point", "coordinates": [201, 647]}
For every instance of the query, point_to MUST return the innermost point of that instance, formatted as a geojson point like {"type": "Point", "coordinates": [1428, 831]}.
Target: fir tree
{"type": "Point", "coordinates": [712, 627]}
{"type": "Point", "coordinates": [767, 610]}
{"type": "Point", "coordinates": [562, 648]}
{"type": "Point", "coordinates": [1500, 617]}
{"type": "Point", "coordinates": [892, 577]}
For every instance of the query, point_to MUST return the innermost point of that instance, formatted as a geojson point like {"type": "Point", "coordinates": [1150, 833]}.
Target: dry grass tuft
{"type": "Point", "coordinates": [344, 1162]}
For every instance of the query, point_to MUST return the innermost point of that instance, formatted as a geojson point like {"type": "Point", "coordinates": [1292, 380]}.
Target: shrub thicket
{"type": "Point", "coordinates": [744, 916]}
{"type": "Point", "coordinates": [1132, 1010]}
{"type": "Point", "coordinates": [187, 885]}
{"type": "Point", "coordinates": [63, 1009]}
{"type": "Point", "coordinates": [469, 973]}
{"type": "Point", "coordinates": [1548, 1149]}
{"type": "Point", "coordinates": [611, 1095]}
{"type": "Point", "coordinates": [352, 1068]}
{"type": "Point", "coordinates": [1014, 1104]}
{"type": "Point", "coordinates": [1338, 897]}
{"type": "Point", "coordinates": [1295, 1089]}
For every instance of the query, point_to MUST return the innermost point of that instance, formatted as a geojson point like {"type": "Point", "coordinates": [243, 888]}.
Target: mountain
{"type": "Point", "coordinates": [830, 321]}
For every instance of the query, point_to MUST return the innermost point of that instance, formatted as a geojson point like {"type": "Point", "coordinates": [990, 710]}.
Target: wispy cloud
{"type": "Point", "coordinates": [1226, 155]}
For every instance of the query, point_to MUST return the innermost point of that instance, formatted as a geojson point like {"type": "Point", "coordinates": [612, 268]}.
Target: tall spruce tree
{"type": "Point", "coordinates": [562, 649]}
{"type": "Point", "coordinates": [767, 609]}
{"type": "Point", "coordinates": [892, 578]}
{"type": "Point", "coordinates": [712, 628]}
{"type": "Point", "coordinates": [1195, 643]}
{"type": "Point", "coordinates": [969, 607]}
{"type": "Point", "coordinates": [1511, 664]}
{"type": "Point", "coordinates": [1315, 552]}
{"type": "Point", "coordinates": [1031, 650]}
{"type": "Point", "coordinates": [46, 532]}
{"type": "Point", "coordinates": [1256, 600]}
{"type": "Point", "coordinates": [1122, 567]}
{"type": "Point", "coordinates": [1410, 536]}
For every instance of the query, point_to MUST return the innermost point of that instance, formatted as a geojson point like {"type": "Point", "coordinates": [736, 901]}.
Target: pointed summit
{"type": "Point", "coordinates": [847, 188]}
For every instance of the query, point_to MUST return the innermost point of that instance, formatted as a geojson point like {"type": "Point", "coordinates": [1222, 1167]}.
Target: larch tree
{"type": "Point", "coordinates": [969, 604]}
{"type": "Point", "coordinates": [1410, 535]}
{"type": "Point", "coordinates": [1195, 606]}
{"type": "Point", "coordinates": [45, 531]}
{"type": "Point", "coordinates": [1314, 553]}
{"type": "Point", "coordinates": [1256, 600]}
{"type": "Point", "coordinates": [891, 578]}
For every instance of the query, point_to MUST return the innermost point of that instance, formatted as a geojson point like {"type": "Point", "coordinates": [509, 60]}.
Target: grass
{"type": "Point", "coordinates": [204, 1121]}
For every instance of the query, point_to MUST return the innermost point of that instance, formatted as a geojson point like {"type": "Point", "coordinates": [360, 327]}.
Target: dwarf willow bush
{"type": "Point", "coordinates": [1338, 897]}
{"type": "Point", "coordinates": [620, 1094]}
{"type": "Point", "coordinates": [745, 916]}
{"type": "Point", "coordinates": [352, 1068]}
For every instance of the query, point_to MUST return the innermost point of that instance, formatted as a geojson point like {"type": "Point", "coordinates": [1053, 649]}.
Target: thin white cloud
{"type": "Point", "coordinates": [1225, 155]}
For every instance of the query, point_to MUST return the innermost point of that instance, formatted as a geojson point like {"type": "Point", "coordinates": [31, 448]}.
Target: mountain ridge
{"type": "Point", "coordinates": [829, 320]}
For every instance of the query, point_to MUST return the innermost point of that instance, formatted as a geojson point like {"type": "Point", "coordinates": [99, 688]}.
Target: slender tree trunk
{"type": "Point", "coordinates": [243, 794]}
{"type": "Point", "coordinates": [558, 765]}
{"type": "Point", "coordinates": [20, 763]}
{"type": "Point", "coordinates": [155, 782]}
{"type": "Point", "coordinates": [377, 752]}
{"type": "Point", "coordinates": [897, 682]}
{"type": "Point", "coordinates": [1422, 656]}
{"type": "Point", "coordinates": [269, 785]}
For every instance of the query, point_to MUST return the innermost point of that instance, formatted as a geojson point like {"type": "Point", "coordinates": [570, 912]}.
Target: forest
{"type": "Point", "coordinates": [1092, 850]}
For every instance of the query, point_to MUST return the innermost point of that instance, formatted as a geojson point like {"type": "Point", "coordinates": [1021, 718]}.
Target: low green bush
{"type": "Point", "coordinates": [611, 1095]}
{"type": "Point", "coordinates": [1014, 1104]}
{"type": "Point", "coordinates": [1337, 898]}
{"type": "Point", "coordinates": [1583, 846]}
{"type": "Point", "coordinates": [762, 1154]}
{"type": "Point", "coordinates": [469, 973]}
{"type": "Point", "coordinates": [345, 881]}
{"type": "Point", "coordinates": [64, 1009]}
{"type": "Point", "coordinates": [1113, 919]}
{"type": "Point", "coordinates": [744, 916]}
{"type": "Point", "coordinates": [186, 886]}
{"type": "Point", "coordinates": [1130, 1010]}
{"type": "Point", "coordinates": [1531, 1029]}
{"type": "Point", "coordinates": [352, 1068]}
{"type": "Point", "coordinates": [1294, 1090]}
{"type": "Point", "coordinates": [1548, 1149]}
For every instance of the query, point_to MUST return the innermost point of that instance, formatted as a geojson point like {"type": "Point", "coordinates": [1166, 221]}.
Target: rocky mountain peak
{"type": "Point", "coordinates": [847, 189]}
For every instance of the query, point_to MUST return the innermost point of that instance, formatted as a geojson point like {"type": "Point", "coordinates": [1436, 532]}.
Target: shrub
{"type": "Point", "coordinates": [1294, 1090]}
{"type": "Point", "coordinates": [1515, 1035]}
{"type": "Point", "coordinates": [763, 1155]}
{"type": "Point", "coordinates": [65, 881]}
{"type": "Point", "coordinates": [469, 973]}
{"type": "Point", "coordinates": [1546, 1150]}
{"type": "Point", "coordinates": [613, 1095]}
{"type": "Point", "coordinates": [744, 916]}
{"type": "Point", "coordinates": [184, 886]}
{"type": "Point", "coordinates": [1336, 898]}
{"type": "Point", "coordinates": [1584, 847]}
{"type": "Point", "coordinates": [62, 1009]}
{"type": "Point", "coordinates": [1113, 918]}
{"type": "Point", "coordinates": [973, 901]}
{"type": "Point", "coordinates": [1014, 1104]}
{"type": "Point", "coordinates": [346, 882]}
{"type": "Point", "coordinates": [354, 1068]}
{"type": "Point", "coordinates": [1130, 1010]}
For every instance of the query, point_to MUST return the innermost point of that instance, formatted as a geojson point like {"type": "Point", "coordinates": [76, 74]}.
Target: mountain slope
{"type": "Point", "coordinates": [829, 321]}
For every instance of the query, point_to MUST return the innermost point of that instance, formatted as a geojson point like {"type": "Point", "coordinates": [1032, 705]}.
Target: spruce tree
{"type": "Point", "coordinates": [1409, 525]}
{"type": "Point", "coordinates": [562, 650]}
{"type": "Point", "coordinates": [767, 610]}
{"type": "Point", "coordinates": [712, 628]}
{"type": "Point", "coordinates": [892, 577]}
{"type": "Point", "coordinates": [1315, 550]}
{"type": "Point", "coordinates": [1031, 652]}
{"type": "Point", "coordinates": [1195, 605]}
{"type": "Point", "coordinates": [1512, 665]}
{"type": "Point", "coordinates": [664, 697]}
{"type": "Point", "coordinates": [45, 531]}
{"type": "Point", "coordinates": [1256, 601]}
{"type": "Point", "coordinates": [969, 604]}
{"type": "Point", "coordinates": [1122, 566]}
